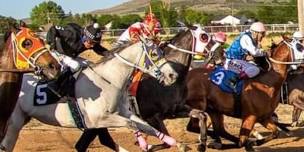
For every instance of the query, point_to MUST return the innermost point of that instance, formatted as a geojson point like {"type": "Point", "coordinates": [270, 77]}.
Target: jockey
{"type": "Point", "coordinates": [248, 43]}
{"type": "Point", "coordinates": [298, 48]}
{"type": "Point", "coordinates": [217, 51]}
{"type": "Point", "coordinates": [71, 40]}
{"type": "Point", "coordinates": [147, 29]}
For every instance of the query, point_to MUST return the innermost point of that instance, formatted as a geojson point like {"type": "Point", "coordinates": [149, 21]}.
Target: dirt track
{"type": "Point", "coordinates": [37, 137]}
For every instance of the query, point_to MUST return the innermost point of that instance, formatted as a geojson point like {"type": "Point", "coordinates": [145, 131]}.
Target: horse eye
{"type": "Point", "coordinates": [204, 38]}
{"type": "Point", "coordinates": [27, 43]}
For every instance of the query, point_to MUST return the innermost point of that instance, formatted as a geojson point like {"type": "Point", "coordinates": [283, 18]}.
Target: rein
{"type": "Point", "coordinates": [32, 63]}
{"type": "Point", "coordinates": [120, 58]}
{"type": "Point", "coordinates": [182, 50]}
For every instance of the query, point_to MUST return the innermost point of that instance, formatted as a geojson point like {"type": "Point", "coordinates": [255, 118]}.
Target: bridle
{"type": "Point", "coordinates": [192, 51]}
{"type": "Point", "coordinates": [30, 60]}
{"type": "Point", "coordinates": [154, 71]}
{"type": "Point", "coordinates": [282, 62]}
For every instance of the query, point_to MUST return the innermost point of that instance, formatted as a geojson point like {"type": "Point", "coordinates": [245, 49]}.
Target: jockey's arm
{"type": "Point", "coordinates": [134, 34]}
{"type": "Point", "coordinates": [51, 37]}
{"type": "Point", "coordinates": [246, 43]}
{"type": "Point", "coordinates": [100, 50]}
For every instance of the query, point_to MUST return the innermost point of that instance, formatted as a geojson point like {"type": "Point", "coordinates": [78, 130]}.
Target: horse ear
{"type": "Point", "coordinates": [192, 27]}
{"type": "Point", "coordinates": [22, 24]}
{"type": "Point", "coordinates": [285, 37]}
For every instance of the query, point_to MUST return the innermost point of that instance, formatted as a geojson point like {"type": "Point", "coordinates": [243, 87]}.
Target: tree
{"type": "Point", "coordinates": [246, 13]}
{"type": "Point", "coordinates": [5, 22]}
{"type": "Point", "coordinates": [68, 19]}
{"type": "Point", "coordinates": [281, 13]}
{"type": "Point", "coordinates": [127, 20]}
{"type": "Point", "coordinates": [47, 12]}
{"type": "Point", "coordinates": [164, 13]}
{"type": "Point", "coordinates": [191, 16]}
{"type": "Point", "coordinates": [104, 19]}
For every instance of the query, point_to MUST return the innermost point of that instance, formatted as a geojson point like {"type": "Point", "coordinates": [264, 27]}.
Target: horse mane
{"type": "Point", "coordinates": [180, 34]}
{"type": "Point", "coordinates": [111, 53]}
{"type": "Point", "coordinates": [4, 43]}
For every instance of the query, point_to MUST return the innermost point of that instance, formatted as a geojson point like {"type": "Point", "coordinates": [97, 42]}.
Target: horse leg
{"type": "Point", "coordinates": [89, 135]}
{"type": "Point", "coordinates": [296, 113]}
{"type": "Point", "coordinates": [270, 125]}
{"type": "Point", "coordinates": [216, 142]}
{"type": "Point", "coordinates": [146, 128]}
{"type": "Point", "coordinates": [202, 123]}
{"type": "Point", "coordinates": [219, 131]}
{"type": "Point", "coordinates": [86, 138]}
{"type": "Point", "coordinates": [3, 128]}
{"type": "Point", "coordinates": [157, 122]}
{"type": "Point", "coordinates": [17, 120]}
{"type": "Point", "coordinates": [247, 126]}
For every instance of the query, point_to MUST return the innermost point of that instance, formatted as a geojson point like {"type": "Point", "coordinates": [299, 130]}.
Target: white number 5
{"type": "Point", "coordinates": [41, 94]}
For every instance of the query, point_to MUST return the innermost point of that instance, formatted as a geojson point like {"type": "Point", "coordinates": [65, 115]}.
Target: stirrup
{"type": "Point", "coordinates": [134, 105]}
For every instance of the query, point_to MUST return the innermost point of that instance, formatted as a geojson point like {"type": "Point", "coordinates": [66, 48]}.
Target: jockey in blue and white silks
{"type": "Point", "coordinates": [247, 43]}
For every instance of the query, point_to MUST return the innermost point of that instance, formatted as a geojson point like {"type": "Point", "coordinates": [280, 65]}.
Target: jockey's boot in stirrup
{"type": "Point", "coordinates": [233, 82]}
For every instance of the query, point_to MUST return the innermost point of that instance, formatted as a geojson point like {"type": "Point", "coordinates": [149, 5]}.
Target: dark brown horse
{"type": "Point", "coordinates": [21, 46]}
{"type": "Point", "coordinates": [259, 98]}
{"type": "Point", "coordinates": [157, 102]}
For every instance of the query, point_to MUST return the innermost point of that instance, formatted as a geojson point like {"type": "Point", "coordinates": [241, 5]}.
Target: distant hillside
{"type": "Point", "coordinates": [210, 6]}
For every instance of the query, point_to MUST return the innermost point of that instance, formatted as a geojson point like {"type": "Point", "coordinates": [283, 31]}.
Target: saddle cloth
{"type": "Point", "coordinates": [50, 92]}
{"type": "Point", "coordinates": [227, 80]}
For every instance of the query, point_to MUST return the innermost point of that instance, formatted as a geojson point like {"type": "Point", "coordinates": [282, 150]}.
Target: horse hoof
{"type": "Point", "coordinates": [249, 146]}
{"type": "Point", "coordinates": [294, 124]}
{"type": "Point", "coordinates": [201, 148]}
{"type": "Point", "coordinates": [181, 147]}
{"type": "Point", "coordinates": [215, 145]}
{"type": "Point", "coordinates": [2, 148]}
{"type": "Point", "coordinates": [300, 124]}
{"type": "Point", "coordinates": [158, 147]}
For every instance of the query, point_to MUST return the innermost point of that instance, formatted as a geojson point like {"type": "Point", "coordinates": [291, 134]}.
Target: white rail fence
{"type": "Point", "coordinates": [169, 32]}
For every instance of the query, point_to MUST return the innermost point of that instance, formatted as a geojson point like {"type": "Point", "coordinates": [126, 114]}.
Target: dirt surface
{"type": "Point", "coordinates": [39, 137]}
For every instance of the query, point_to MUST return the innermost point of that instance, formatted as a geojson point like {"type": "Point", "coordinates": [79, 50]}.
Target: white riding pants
{"type": "Point", "coordinates": [240, 66]}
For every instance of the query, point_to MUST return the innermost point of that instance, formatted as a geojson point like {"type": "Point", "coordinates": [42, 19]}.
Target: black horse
{"type": "Point", "coordinates": [155, 101]}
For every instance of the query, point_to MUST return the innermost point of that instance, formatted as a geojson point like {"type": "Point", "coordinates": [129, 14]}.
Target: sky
{"type": "Point", "coordinates": [20, 9]}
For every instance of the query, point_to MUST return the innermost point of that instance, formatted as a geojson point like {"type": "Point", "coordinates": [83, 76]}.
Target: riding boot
{"type": "Point", "coordinates": [233, 83]}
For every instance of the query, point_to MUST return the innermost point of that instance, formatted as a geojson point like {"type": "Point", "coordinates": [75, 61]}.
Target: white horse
{"type": "Point", "coordinates": [101, 95]}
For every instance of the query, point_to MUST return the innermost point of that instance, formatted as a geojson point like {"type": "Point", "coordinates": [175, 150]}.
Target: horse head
{"type": "Point", "coordinates": [188, 42]}
{"type": "Point", "coordinates": [28, 50]}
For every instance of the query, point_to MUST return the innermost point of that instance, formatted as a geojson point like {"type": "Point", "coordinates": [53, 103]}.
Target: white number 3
{"type": "Point", "coordinates": [219, 78]}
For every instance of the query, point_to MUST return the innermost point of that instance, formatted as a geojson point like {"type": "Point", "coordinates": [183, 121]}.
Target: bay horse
{"type": "Point", "coordinates": [259, 98]}
{"type": "Point", "coordinates": [21, 53]}
{"type": "Point", "coordinates": [157, 102]}
{"type": "Point", "coordinates": [100, 92]}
